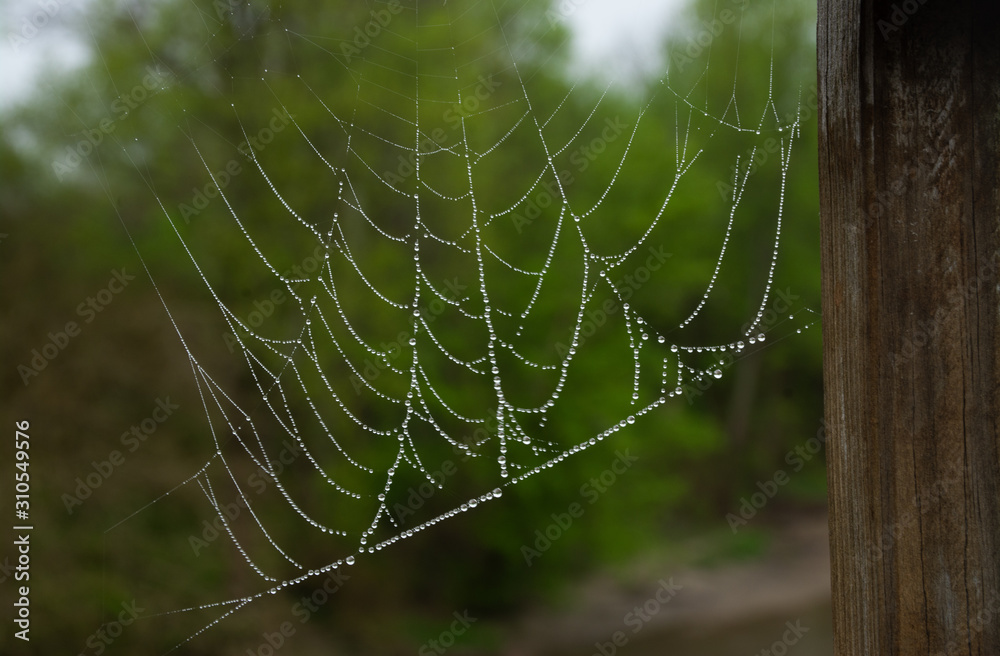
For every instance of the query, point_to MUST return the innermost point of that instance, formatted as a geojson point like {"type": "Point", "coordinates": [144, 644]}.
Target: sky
{"type": "Point", "coordinates": [31, 37]}
{"type": "Point", "coordinates": [620, 38]}
{"type": "Point", "coordinates": [611, 38]}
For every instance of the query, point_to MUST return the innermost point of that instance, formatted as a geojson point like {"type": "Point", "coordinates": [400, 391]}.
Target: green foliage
{"type": "Point", "coordinates": [221, 79]}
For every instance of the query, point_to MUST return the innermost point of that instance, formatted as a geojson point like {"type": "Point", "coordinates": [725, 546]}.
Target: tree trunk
{"type": "Point", "coordinates": [909, 135]}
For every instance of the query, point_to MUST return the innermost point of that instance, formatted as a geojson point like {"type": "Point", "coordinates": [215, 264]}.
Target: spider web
{"type": "Point", "coordinates": [423, 311]}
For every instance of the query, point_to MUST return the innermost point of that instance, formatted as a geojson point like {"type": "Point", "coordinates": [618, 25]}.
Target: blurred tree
{"type": "Point", "coordinates": [152, 128]}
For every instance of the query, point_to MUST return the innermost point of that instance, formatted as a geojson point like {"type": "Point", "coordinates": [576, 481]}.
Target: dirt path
{"type": "Point", "coordinates": [735, 609]}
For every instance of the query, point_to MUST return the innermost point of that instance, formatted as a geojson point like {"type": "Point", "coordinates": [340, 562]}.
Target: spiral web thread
{"type": "Point", "coordinates": [418, 407]}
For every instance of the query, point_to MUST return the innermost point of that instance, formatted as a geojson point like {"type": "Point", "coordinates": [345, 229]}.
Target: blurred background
{"type": "Point", "coordinates": [145, 144]}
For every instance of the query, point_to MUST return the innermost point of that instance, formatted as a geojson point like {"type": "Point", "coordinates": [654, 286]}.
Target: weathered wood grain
{"type": "Point", "coordinates": [909, 176]}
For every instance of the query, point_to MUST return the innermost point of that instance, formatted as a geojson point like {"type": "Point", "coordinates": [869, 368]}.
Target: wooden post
{"type": "Point", "coordinates": [909, 149]}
